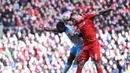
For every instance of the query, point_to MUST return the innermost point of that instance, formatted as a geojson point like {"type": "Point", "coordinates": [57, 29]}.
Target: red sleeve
{"type": "Point", "coordinates": [88, 16]}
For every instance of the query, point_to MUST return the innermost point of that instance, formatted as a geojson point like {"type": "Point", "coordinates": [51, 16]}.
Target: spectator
{"type": "Point", "coordinates": [16, 5]}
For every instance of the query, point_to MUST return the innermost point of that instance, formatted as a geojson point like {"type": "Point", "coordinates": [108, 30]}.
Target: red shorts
{"type": "Point", "coordinates": [90, 50]}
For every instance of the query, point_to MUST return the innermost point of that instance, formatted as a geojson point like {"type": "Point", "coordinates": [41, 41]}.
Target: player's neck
{"type": "Point", "coordinates": [81, 20]}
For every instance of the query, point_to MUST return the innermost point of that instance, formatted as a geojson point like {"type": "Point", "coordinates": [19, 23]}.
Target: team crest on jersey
{"type": "Point", "coordinates": [83, 23]}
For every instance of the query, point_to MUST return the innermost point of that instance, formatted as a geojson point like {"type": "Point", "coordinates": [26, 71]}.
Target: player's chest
{"type": "Point", "coordinates": [85, 23]}
{"type": "Point", "coordinates": [81, 24]}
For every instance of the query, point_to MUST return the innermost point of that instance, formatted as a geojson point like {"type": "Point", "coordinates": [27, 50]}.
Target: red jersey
{"type": "Point", "coordinates": [87, 28]}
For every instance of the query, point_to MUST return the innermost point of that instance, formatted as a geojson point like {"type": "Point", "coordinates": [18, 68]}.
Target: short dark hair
{"type": "Point", "coordinates": [61, 27]}
{"type": "Point", "coordinates": [74, 13]}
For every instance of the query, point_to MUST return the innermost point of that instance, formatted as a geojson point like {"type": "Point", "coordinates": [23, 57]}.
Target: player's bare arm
{"type": "Point", "coordinates": [51, 29]}
{"type": "Point", "coordinates": [105, 10]}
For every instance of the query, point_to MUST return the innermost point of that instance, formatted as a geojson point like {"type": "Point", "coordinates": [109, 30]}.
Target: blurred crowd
{"type": "Point", "coordinates": [26, 47]}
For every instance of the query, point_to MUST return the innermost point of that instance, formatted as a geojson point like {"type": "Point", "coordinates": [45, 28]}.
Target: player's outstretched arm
{"type": "Point", "coordinates": [50, 30]}
{"type": "Point", "coordinates": [104, 11]}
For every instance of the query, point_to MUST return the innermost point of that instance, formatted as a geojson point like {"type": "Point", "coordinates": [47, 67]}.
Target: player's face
{"type": "Point", "coordinates": [76, 18]}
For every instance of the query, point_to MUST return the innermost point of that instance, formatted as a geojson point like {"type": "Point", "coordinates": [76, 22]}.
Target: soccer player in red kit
{"type": "Point", "coordinates": [91, 46]}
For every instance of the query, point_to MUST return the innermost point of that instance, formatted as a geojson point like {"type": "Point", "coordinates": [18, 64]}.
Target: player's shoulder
{"type": "Point", "coordinates": [89, 14]}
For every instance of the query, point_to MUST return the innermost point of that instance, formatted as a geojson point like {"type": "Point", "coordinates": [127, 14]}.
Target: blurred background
{"type": "Point", "coordinates": [26, 47]}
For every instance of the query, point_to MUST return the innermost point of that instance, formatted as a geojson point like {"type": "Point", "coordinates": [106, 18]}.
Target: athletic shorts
{"type": "Point", "coordinates": [76, 49]}
{"type": "Point", "coordinates": [90, 50]}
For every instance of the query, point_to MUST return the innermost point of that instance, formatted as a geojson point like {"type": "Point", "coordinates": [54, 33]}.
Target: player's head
{"type": "Point", "coordinates": [72, 16]}
{"type": "Point", "coordinates": [75, 17]}
{"type": "Point", "coordinates": [61, 27]}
